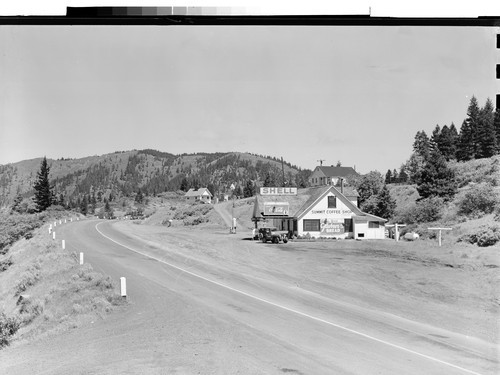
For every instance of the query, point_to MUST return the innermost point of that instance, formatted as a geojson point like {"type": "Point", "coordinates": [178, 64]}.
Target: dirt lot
{"type": "Point", "coordinates": [455, 287]}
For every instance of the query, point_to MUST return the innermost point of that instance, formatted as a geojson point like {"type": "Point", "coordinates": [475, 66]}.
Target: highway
{"type": "Point", "coordinates": [189, 315]}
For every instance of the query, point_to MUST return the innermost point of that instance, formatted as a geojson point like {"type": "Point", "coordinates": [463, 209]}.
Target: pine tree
{"type": "Point", "coordinates": [474, 127]}
{"type": "Point", "coordinates": [486, 136]}
{"type": "Point", "coordinates": [496, 125]}
{"type": "Point", "coordinates": [403, 176]}
{"type": "Point", "coordinates": [436, 179]}
{"type": "Point", "coordinates": [43, 190]}
{"type": "Point", "coordinates": [447, 142]}
{"type": "Point", "coordinates": [386, 205]}
{"type": "Point", "coordinates": [421, 145]}
{"type": "Point", "coordinates": [249, 189]}
{"type": "Point", "coordinates": [395, 176]}
{"type": "Point", "coordinates": [435, 140]}
{"type": "Point", "coordinates": [465, 147]}
{"type": "Point", "coordinates": [388, 177]}
{"type": "Point", "coordinates": [84, 205]}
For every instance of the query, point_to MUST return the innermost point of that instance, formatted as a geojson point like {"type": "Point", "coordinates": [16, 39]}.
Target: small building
{"type": "Point", "coordinates": [200, 195]}
{"type": "Point", "coordinates": [330, 175]}
{"type": "Point", "coordinates": [320, 211]}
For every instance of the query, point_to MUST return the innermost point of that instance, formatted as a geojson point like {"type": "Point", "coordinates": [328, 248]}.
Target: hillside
{"type": "Point", "coordinates": [122, 174]}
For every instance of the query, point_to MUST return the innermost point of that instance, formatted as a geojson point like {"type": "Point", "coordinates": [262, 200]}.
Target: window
{"type": "Point", "coordinates": [332, 201]}
{"type": "Point", "coordinates": [373, 224]}
{"type": "Point", "coordinates": [311, 225]}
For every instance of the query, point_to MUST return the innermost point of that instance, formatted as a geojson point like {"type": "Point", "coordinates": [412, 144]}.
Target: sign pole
{"type": "Point", "coordinates": [439, 234]}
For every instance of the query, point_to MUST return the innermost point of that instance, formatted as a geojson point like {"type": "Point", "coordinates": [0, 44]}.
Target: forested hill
{"type": "Point", "coordinates": [150, 171]}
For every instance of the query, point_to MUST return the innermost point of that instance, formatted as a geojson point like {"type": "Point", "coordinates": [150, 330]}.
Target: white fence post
{"type": "Point", "coordinates": [439, 235]}
{"type": "Point", "coordinates": [63, 244]}
{"type": "Point", "coordinates": [55, 223]}
{"type": "Point", "coordinates": [123, 287]}
{"type": "Point", "coordinates": [81, 258]}
{"type": "Point", "coordinates": [60, 221]}
{"type": "Point", "coordinates": [53, 235]}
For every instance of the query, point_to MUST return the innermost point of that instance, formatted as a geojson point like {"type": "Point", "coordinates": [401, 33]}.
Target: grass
{"type": "Point", "coordinates": [46, 291]}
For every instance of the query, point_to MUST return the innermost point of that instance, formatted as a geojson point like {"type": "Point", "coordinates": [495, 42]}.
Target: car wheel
{"type": "Point", "coordinates": [276, 240]}
{"type": "Point", "coordinates": [285, 240]}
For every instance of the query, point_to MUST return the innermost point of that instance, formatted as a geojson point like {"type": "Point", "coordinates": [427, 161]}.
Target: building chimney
{"type": "Point", "coordinates": [342, 186]}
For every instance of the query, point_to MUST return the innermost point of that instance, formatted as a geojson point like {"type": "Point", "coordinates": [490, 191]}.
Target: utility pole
{"type": "Point", "coordinates": [283, 170]}
{"type": "Point", "coordinates": [321, 162]}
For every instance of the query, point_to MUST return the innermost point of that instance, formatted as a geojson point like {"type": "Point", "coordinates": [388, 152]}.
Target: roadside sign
{"type": "Point", "coordinates": [276, 208]}
{"type": "Point", "coordinates": [278, 191]}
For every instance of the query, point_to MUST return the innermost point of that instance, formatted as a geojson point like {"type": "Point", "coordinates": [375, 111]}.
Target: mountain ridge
{"type": "Point", "coordinates": [123, 173]}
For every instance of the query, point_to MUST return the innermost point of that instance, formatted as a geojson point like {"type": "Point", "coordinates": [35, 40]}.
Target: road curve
{"type": "Point", "coordinates": [187, 316]}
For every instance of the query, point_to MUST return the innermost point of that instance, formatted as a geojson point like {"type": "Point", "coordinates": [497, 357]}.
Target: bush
{"type": "Point", "coordinates": [28, 278]}
{"type": "Point", "coordinates": [423, 211]}
{"type": "Point", "coordinates": [8, 328]}
{"type": "Point", "coordinates": [488, 235]}
{"type": "Point", "coordinates": [5, 264]}
{"type": "Point", "coordinates": [477, 201]}
{"type": "Point", "coordinates": [30, 309]}
{"type": "Point", "coordinates": [14, 227]}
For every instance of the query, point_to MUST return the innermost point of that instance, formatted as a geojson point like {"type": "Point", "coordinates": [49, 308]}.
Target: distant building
{"type": "Point", "coordinates": [330, 175]}
{"type": "Point", "coordinates": [201, 195]}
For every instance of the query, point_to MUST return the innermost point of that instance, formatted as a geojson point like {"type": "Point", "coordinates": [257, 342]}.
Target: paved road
{"type": "Point", "coordinates": [189, 317]}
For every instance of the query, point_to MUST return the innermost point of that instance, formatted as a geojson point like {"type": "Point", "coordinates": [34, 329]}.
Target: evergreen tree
{"type": "Point", "coordinates": [60, 202]}
{"type": "Point", "coordinates": [388, 177]}
{"type": "Point", "coordinates": [249, 189]}
{"type": "Point", "coordinates": [465, 148]}
{"type": "Point", "coordinates": [386, 205]}
{"type": "Point", "coordinates": [474, 127]}
{"type": "Point", "coordinates": [435, 140]}
{"type": "Point", "coordinates": [486, 136]}
{"type": "Point", "coordinates": [43, 190]}
{"type": "Point", "coordinates": [369, 185]}
{"type": "Point", "coordinates": [403, 176]}
{"type": "Point", "coordinates": [84, 205]}
{"type": "Point", "coordinates": [184, 184]}
{"type": "Point", "coordinates": [16, 206]}
{"type": "Point", "coordinates": [421, 145]}
{"type": "Point", "coordinates": [447, 142]}
{"type": "Point", "coordinates": [139, 197]}
{"type": "Point", "coordinates": [436, 179]}
{"type": "Point", "coordinates": [395, 177]}
{"type": "Point", "coordinates": [270, 180]}
{"type": "Point", "coordinates": [496, 125]}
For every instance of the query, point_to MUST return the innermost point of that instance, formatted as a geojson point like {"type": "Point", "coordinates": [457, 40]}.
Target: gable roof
{"type": "Point", "coordinates": [337, 171]}
{"type": "Point", "coordinates": [197, 193]}
{"type": "Point", "coordinates": [306, 198]}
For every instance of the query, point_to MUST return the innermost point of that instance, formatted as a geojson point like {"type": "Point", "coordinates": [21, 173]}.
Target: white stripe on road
{"type": "Point", "coordinates": [290, 309]}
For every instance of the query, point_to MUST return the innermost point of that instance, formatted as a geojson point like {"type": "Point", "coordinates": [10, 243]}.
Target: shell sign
{"type": "Point", "coordinates": [278, 191]}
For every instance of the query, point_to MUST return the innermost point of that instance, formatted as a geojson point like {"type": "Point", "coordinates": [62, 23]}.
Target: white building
{"type": "Point", "coordinates": [323, 175]}
{"type": "Point", "coordinates": [200, 195]}
{"type": "Point", "coordinates": [321, 211]}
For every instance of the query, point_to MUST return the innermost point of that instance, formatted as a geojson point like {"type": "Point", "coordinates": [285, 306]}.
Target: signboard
{"type": "Point", "coordinates": [329, 226]}
{"type": "Point", "coordinates": [278, 191]}
{"type": "Point", "coordinates": [276, 209]}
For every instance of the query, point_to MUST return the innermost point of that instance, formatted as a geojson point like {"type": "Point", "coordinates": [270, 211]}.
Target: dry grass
{"type": "Point", "coordinates": [56, 292]}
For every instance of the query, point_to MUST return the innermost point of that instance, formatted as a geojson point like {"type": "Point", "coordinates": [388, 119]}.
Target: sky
{"type": "Point", "coordinates": [357, 95]}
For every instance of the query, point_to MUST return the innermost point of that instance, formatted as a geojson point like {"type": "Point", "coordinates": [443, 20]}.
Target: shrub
{"type": "Point", "coordinates": [478, 200]}
{"type": "Point", "coordinates": [5, 264]}
{"type": "Point", "coordinates": [488, 235]}
{"type": "Point", "coordinates": [8, 328]}
{"type": "Point", "coordinates": [28, 278]}
{"type": "Point", "coordinates": [30, 309]}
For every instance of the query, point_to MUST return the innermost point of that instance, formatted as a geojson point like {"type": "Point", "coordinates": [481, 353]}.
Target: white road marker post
{"type": "Point", "coordinates": [71, 219]}
{"type": "Point", "coordinates": [81, 259]}
{"type": "Point", "coordinates": [55, 223]}
{"type": "Point", "coordinates": [60, 222]}
{"type": "Point", "coordinates": [123, 287]}
{"type": "Point", "coordinates": [439, 235]}
{"type": "Point", "coordinates": [50, 229]}
{"type": "Point", "coordinates": [53, 235]}
{"type": "Point", "coordinates": [63, 244]}
{"type": "Point", "coordinates": [64, 221]}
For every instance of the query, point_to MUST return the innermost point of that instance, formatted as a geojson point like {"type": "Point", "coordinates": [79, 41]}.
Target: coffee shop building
{"type": "Point", "coordinates": [319, 211]}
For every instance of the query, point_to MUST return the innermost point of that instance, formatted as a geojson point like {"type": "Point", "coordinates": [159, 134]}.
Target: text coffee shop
{"type": "Point", "coordinates": [321, 211]}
